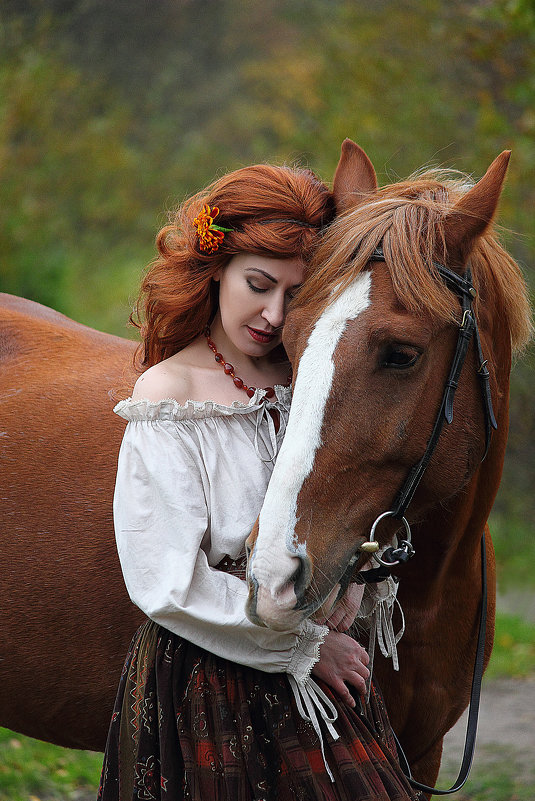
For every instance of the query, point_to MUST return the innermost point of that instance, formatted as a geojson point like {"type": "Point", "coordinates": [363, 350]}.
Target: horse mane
{"type": "Point", "coordinates": [408, 219]}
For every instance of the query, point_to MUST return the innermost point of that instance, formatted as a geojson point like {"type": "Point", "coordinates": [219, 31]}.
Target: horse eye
{"type": "Point", "coordinates": [399, 357]}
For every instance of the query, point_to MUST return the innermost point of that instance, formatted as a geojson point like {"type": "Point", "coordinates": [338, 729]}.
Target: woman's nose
{"type": "Point", "coordinates": [275, 312]}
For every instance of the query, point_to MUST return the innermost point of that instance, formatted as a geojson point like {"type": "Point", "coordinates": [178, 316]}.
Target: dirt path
{"type": "Point", "coordinates": [506, 729]}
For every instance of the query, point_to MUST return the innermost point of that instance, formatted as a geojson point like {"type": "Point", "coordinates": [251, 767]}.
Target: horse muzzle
{"type": "Point", "coordinates": [277, 588]}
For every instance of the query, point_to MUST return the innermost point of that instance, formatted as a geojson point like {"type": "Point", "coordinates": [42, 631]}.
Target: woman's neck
{"type": "Point", "coordinates": [269, 369]}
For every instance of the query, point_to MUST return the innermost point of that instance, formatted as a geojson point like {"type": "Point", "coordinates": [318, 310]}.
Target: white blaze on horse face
{"type": "Point", "coordinates": [276, 552]}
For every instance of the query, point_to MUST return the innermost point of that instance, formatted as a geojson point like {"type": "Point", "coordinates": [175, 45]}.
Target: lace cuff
{"type": "Point", "coordinates": [309, 697]}
{"type": "Point", "coordinates": [307, 651]}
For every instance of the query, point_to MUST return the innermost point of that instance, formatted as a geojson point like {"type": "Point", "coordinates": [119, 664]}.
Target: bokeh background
{"type": "Point", "coordinates": [112, 111]}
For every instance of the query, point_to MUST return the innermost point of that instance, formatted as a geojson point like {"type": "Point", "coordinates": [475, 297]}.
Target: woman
{"type": "Point", "coordinates": [211, 706]}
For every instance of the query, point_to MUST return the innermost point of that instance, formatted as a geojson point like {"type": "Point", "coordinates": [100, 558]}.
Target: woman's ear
{"type": "Point", "coordinates": [217, 275]}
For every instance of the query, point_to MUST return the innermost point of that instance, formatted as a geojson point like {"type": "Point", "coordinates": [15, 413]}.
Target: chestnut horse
{"type": "Point", "coordinates": [372, 336]}
{"type": "Point", "coordinates": [66, 619]}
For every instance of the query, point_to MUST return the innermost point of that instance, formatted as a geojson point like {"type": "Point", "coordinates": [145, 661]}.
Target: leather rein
{"type": "Point", "coordinates": [468, 329]}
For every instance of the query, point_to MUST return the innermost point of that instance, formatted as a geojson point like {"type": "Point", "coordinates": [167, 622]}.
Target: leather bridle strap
{"type": "Point", "coordinates": [473, 710]}
{"type": "Point", "coordinates": [462, 286]}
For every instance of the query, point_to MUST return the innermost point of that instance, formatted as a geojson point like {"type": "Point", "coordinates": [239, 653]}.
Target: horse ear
{"type": "Point", "coordinates": [354, 178]}
{"type": "Point", "coordinates": [473, 213]}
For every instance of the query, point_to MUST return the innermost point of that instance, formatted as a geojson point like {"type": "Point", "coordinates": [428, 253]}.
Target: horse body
{"type": "Point", "coordinates": [372, 362]}
{"type": "Point", "coordinates": [66, 619]}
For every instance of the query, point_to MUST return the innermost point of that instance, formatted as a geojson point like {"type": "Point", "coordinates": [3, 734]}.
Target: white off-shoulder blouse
{"type": "Point", "coordinates": [190, 484]}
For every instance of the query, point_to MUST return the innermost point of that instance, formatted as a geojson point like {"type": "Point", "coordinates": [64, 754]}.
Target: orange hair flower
{"type": "Point", "coordinates": [210, 235]}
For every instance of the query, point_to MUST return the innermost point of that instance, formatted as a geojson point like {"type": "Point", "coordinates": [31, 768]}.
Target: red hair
{"type": "Point", "coordinates": [276, 212]}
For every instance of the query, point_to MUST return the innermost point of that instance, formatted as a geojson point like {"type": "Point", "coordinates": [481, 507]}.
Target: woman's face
{"type": "Point", "coordinates": [254, 292]}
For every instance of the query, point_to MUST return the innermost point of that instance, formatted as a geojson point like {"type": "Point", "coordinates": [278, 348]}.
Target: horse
{"type": "Point", "coordinates": [408, 279]}
{"type": "Point", "coordinates": [66, 619]}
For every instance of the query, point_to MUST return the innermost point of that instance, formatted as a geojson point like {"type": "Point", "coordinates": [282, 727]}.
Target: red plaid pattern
{"type": "Point", "coordinates": [190, 726]}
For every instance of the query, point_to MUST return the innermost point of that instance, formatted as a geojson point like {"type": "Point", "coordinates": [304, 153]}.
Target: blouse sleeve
{"type": "Point", "coordinates": [161, 524]}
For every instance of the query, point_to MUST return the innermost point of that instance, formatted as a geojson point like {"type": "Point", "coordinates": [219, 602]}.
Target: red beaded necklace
{"type": "Point", "coordinates": [229, 370]}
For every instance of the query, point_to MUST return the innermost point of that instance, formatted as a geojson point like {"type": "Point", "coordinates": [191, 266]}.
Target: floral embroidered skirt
{"type": "Point", "coordinates": [191, 726]}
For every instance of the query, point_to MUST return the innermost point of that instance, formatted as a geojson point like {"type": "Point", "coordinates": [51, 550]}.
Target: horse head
{"type": "Point", "coordinates": [372, 337]}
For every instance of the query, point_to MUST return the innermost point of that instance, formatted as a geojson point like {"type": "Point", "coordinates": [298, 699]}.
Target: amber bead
{"type": "Point", "coordinates": [228, 368]}
{"type": "Point", "coordinates": [270, 392]}
{"type": "Point", "coordinates": [250, 392]}
{"type": "Point", "coordinates": [238, 382]}
{"type": "Point", "coordinates": [219, 358]}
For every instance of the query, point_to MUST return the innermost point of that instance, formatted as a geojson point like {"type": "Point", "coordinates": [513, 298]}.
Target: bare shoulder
{"type": "Point", "coordinates": [171, 378]}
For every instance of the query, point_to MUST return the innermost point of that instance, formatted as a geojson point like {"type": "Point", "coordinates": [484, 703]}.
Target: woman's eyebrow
{"type": "Point", "coordinates": [262, 272]}
{"type": "Point", "coordinates": [268, 276]}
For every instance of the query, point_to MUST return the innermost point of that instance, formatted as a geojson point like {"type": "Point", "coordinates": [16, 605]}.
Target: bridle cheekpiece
{"type": "Point", "coordinates": [462, 286]}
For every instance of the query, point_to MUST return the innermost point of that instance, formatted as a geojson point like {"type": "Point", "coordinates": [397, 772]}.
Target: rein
{"type": "Point", "coordinates": [473, 708]}
{"type": "Point", "coordinates": [463, 288]}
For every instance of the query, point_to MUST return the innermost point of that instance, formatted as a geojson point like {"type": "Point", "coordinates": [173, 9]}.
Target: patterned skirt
{"type": "Point", "coordinates": [191, 726]}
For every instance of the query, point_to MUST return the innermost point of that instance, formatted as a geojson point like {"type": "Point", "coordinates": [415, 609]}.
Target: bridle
{"type": "Point", "coordinates": [464, 289]}
{"type": "Point", "coordinates": [462, 286]}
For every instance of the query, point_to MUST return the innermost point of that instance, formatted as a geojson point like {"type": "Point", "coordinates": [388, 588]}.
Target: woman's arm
{"type": "Point", "coordinates": [162, 522]}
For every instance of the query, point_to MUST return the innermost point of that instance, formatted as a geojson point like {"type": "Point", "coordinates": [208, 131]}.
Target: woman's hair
{"type": "Point", "coordinates": [276, 212]}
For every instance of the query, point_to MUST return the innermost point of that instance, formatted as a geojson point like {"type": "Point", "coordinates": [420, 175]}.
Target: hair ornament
{"type": "Point", "coordinates": [210, 235]}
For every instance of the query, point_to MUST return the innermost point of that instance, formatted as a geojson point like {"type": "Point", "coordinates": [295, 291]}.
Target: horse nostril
{"type": "Point", "coordinates": [301, 578]}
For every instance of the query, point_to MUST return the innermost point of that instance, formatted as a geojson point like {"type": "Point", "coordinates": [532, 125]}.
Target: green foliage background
{"type": "Point", "coordinates": [110, 113]}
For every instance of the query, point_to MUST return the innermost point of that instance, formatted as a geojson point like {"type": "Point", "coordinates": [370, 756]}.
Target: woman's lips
{"type": "Point", "coordinates": [260, 336]}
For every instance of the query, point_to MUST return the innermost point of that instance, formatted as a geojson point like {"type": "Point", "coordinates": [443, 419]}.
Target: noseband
{"type": "Point", "coordinates": [464, 289]}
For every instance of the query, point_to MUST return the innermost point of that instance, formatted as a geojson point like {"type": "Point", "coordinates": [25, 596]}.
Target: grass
{"type": "Point", "coordinates": [31, 770]}
{"type": "Point", "coordinates": [514, 648]}
{"type": "Point", "coordinates": [514, 544]}
{"type": "Point", "coordinates": [497, 775]}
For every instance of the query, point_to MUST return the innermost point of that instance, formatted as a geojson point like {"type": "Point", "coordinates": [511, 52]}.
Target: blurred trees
{"type": "Point", "coordinates": [110, 113]}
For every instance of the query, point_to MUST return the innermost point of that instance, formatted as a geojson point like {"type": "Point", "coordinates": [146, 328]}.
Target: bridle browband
{"type": "Point", "coordinates": [462, 286]}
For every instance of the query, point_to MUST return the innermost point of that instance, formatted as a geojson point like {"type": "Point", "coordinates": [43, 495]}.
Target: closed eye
{"type": "Point", "coordinates": [399, 357]}
{"type": "Point", "coordinates": [290, 295]}
{"type": "Point", "coordinates": [255, 288]}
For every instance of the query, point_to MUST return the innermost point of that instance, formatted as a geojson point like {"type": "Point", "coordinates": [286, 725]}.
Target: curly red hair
{"type": "Point", "coordinates": [276, 212]}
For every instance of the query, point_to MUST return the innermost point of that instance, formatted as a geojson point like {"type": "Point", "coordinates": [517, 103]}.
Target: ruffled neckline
{"type": "Point", "coordinates": [171, 409]}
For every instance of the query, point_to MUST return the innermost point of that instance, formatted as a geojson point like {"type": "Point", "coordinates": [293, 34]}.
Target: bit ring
{"type": "Point", "coordinates": [373, 545]}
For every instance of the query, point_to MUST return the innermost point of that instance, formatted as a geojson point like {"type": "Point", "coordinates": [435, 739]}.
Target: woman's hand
{"type": "Point", "coordinates": [345, 611]}
{"type": "Point", "coordinates": [342, 660]}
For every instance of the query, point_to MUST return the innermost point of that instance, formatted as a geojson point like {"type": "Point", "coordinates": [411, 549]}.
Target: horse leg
{"type": "Point", "coordinates": [426, 768]}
